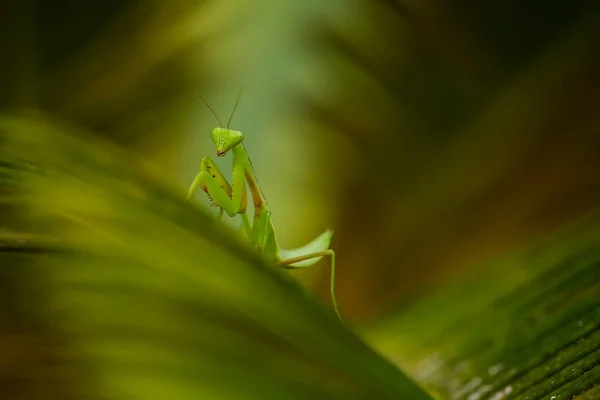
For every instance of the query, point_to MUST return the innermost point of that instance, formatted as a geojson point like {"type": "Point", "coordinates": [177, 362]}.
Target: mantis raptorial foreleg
{"type": "Point", "coordinates": [211, 177]}
{"type": "Point", "coordinates": [232, 198]}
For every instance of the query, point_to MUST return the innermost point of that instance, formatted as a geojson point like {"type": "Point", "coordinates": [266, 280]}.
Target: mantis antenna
{"type": "Point", "coordinates": [234, 108]}
{"type": "Point", "coordinates": [213, 111]}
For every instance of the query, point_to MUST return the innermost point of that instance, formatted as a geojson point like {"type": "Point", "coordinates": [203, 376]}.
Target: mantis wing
{"type": "Point", "coordinates": [319, 244]}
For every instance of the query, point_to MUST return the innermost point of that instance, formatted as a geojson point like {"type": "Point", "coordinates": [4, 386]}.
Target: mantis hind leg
{"type": "Point", "coordinates": [288, 264]}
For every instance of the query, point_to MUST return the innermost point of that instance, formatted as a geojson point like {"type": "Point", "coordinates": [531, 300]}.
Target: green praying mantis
{"type": "Point", "coordinates": [232, 198]}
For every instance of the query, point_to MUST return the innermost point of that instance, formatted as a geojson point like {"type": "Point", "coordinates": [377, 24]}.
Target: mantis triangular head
{"type": "Point", "coordinates": [225, 139]}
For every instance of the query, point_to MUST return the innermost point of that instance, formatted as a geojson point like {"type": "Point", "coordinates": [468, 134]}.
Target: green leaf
{"type": "Point", "coordinates": [525, 327]}
{"type": "Point", "coordinates": [125, 291]}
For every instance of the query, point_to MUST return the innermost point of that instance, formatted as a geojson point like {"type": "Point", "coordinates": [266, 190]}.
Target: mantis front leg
{"type": "Point", "coordinates": [232, 198]}
{"type": "Point", "coordinates": [213, 182]}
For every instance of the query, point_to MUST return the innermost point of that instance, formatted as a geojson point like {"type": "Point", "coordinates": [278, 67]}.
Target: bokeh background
{"type": "Point", "coordinates": [433, 136]}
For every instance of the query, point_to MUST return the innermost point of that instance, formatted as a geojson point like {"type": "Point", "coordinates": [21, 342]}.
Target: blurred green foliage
{"type": "Point", "coordinates": [438, 139]}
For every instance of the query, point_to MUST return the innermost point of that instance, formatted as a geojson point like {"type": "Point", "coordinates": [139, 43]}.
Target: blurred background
{"type": "Point", "coordinates": [433, 136]}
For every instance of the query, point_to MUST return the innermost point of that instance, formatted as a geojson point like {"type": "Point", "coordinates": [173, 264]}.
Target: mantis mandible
{"type": "Point", "coordinates": [233, 200]}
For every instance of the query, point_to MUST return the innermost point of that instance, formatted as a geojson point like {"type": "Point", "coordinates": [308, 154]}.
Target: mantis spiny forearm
{"type": "Point", "coordinates": [209, 166]}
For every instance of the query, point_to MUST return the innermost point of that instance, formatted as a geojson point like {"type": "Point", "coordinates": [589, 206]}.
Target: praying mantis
{"type": "Point", "coordinates": [232, 198]}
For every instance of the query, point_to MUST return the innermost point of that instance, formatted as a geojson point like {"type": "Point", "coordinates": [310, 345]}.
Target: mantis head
{"type": "Point", "coordinates": [225, 139]}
